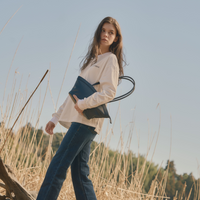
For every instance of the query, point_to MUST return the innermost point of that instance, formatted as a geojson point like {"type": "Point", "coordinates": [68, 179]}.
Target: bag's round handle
{"type": "Point", "coordinates": [128, 93]}
{"type": "Point", "coordinates": [124, 95]}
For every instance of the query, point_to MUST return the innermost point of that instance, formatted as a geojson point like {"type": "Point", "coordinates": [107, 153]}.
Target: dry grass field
{"type": "Point", "coordinates": [30, 169]}
{"type": "Point", "coordinates": [26, 160]}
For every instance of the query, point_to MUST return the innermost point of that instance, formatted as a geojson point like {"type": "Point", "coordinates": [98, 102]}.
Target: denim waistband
{"type": "Point", "coordinates": [91, 128]}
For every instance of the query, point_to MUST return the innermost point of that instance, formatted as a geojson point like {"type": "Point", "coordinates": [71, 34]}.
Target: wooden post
{"type": "Point", "coordinates": [12, 186]}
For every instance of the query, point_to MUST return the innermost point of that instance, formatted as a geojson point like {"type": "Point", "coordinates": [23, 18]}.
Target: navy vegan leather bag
{"type": "Point", "coordinates": [83, 88]}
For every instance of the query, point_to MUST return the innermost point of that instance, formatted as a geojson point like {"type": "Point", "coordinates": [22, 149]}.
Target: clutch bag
{"type": "Point", "coordinates": [82, 89]}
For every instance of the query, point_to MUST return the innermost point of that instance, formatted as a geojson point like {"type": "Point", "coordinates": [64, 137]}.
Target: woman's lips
{"type": "Point", "coordinates": [104, 40]}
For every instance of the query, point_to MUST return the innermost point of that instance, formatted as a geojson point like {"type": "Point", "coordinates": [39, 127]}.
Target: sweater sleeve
{"type": "Point", "coordinates": [108, 82]}
{"type": "Point", "coordinates": [57, 114]}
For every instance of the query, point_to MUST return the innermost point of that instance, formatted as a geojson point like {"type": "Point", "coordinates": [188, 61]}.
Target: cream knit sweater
{"type": "Point", "coordinates": [105, 71]}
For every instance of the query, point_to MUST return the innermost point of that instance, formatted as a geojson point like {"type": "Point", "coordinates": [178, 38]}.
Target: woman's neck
{"type": "Point", "coordinates": [103, 50]}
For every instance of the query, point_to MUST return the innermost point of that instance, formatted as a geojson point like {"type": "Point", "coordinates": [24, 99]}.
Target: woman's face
{"type": "Point", "coordinates": [108, 35]}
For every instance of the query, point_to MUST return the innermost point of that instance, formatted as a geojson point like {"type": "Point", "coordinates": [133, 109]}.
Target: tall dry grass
{"type": "Point", "coordinates": [110, 181]}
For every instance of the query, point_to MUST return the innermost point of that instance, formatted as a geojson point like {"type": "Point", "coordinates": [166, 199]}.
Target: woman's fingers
{"type": "Point", "coordinates": [50, 132]}
{"type": "Point", "coordinates": [75, 97]}
{"type": "Point", "coordinates": [46, 128]}
{"type": "Point", "coordinates": [78, 109]}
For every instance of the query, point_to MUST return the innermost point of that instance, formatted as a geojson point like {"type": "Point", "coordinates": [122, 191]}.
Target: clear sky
{"type": "Point", "coordinates": [162, 47]}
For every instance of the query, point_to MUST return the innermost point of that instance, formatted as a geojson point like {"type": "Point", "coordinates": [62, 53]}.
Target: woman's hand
{"type": "Point", "coordinates": [76, 106]}
{"type": "Point", "coordinates": [49, 128]}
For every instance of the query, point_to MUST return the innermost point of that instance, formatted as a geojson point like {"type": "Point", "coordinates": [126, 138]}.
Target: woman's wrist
{"type": "Point", "coordinates": [54, 120]}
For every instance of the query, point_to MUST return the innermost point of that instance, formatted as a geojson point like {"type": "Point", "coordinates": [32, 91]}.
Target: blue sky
{"type": "Point", "coordinates": [162, 47]}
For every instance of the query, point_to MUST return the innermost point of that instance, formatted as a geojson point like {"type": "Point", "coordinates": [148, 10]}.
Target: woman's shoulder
{"type": "Point", "coordinates": [112, 59]}
{"type": "Point", "coordinates": [112, 56]}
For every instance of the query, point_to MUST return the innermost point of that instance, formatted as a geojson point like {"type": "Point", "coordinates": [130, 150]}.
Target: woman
{"type": "Point", "coordinates": [103, 63]}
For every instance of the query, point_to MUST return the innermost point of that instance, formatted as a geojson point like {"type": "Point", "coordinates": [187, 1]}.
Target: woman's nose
{"type": "Point", "coordinates": [105, 33]}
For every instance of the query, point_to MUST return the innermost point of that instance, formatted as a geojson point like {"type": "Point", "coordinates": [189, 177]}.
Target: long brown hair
{"type": "Point", "coordinates": [116, 47]}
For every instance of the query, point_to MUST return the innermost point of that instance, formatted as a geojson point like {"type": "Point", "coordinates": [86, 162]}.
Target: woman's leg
{"type": "Point", "coordinates": [83, 186]}
{"type": "Point", "coordinates": [76, 138]}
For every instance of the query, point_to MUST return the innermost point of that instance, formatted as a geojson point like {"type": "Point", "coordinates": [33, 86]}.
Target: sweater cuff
{"type": "Point", "coordinates": [81, 104]}
{"type": "Point", "coordinates": [55, 120]}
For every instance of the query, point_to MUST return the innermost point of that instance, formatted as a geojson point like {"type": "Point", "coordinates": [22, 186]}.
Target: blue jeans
{"type": "Point", "coordinates": [74, 150]}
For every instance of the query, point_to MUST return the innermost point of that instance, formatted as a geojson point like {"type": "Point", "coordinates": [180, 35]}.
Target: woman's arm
{"type": "Point", "coordinates": [108, 82]}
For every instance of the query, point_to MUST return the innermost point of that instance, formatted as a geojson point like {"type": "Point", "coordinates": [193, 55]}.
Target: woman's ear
{"type": "Point", "coordinates": [116, 38]}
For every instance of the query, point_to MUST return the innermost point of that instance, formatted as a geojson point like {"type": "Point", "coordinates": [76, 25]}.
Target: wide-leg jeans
{"type": "Point", "coordinates": [74, 151]}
